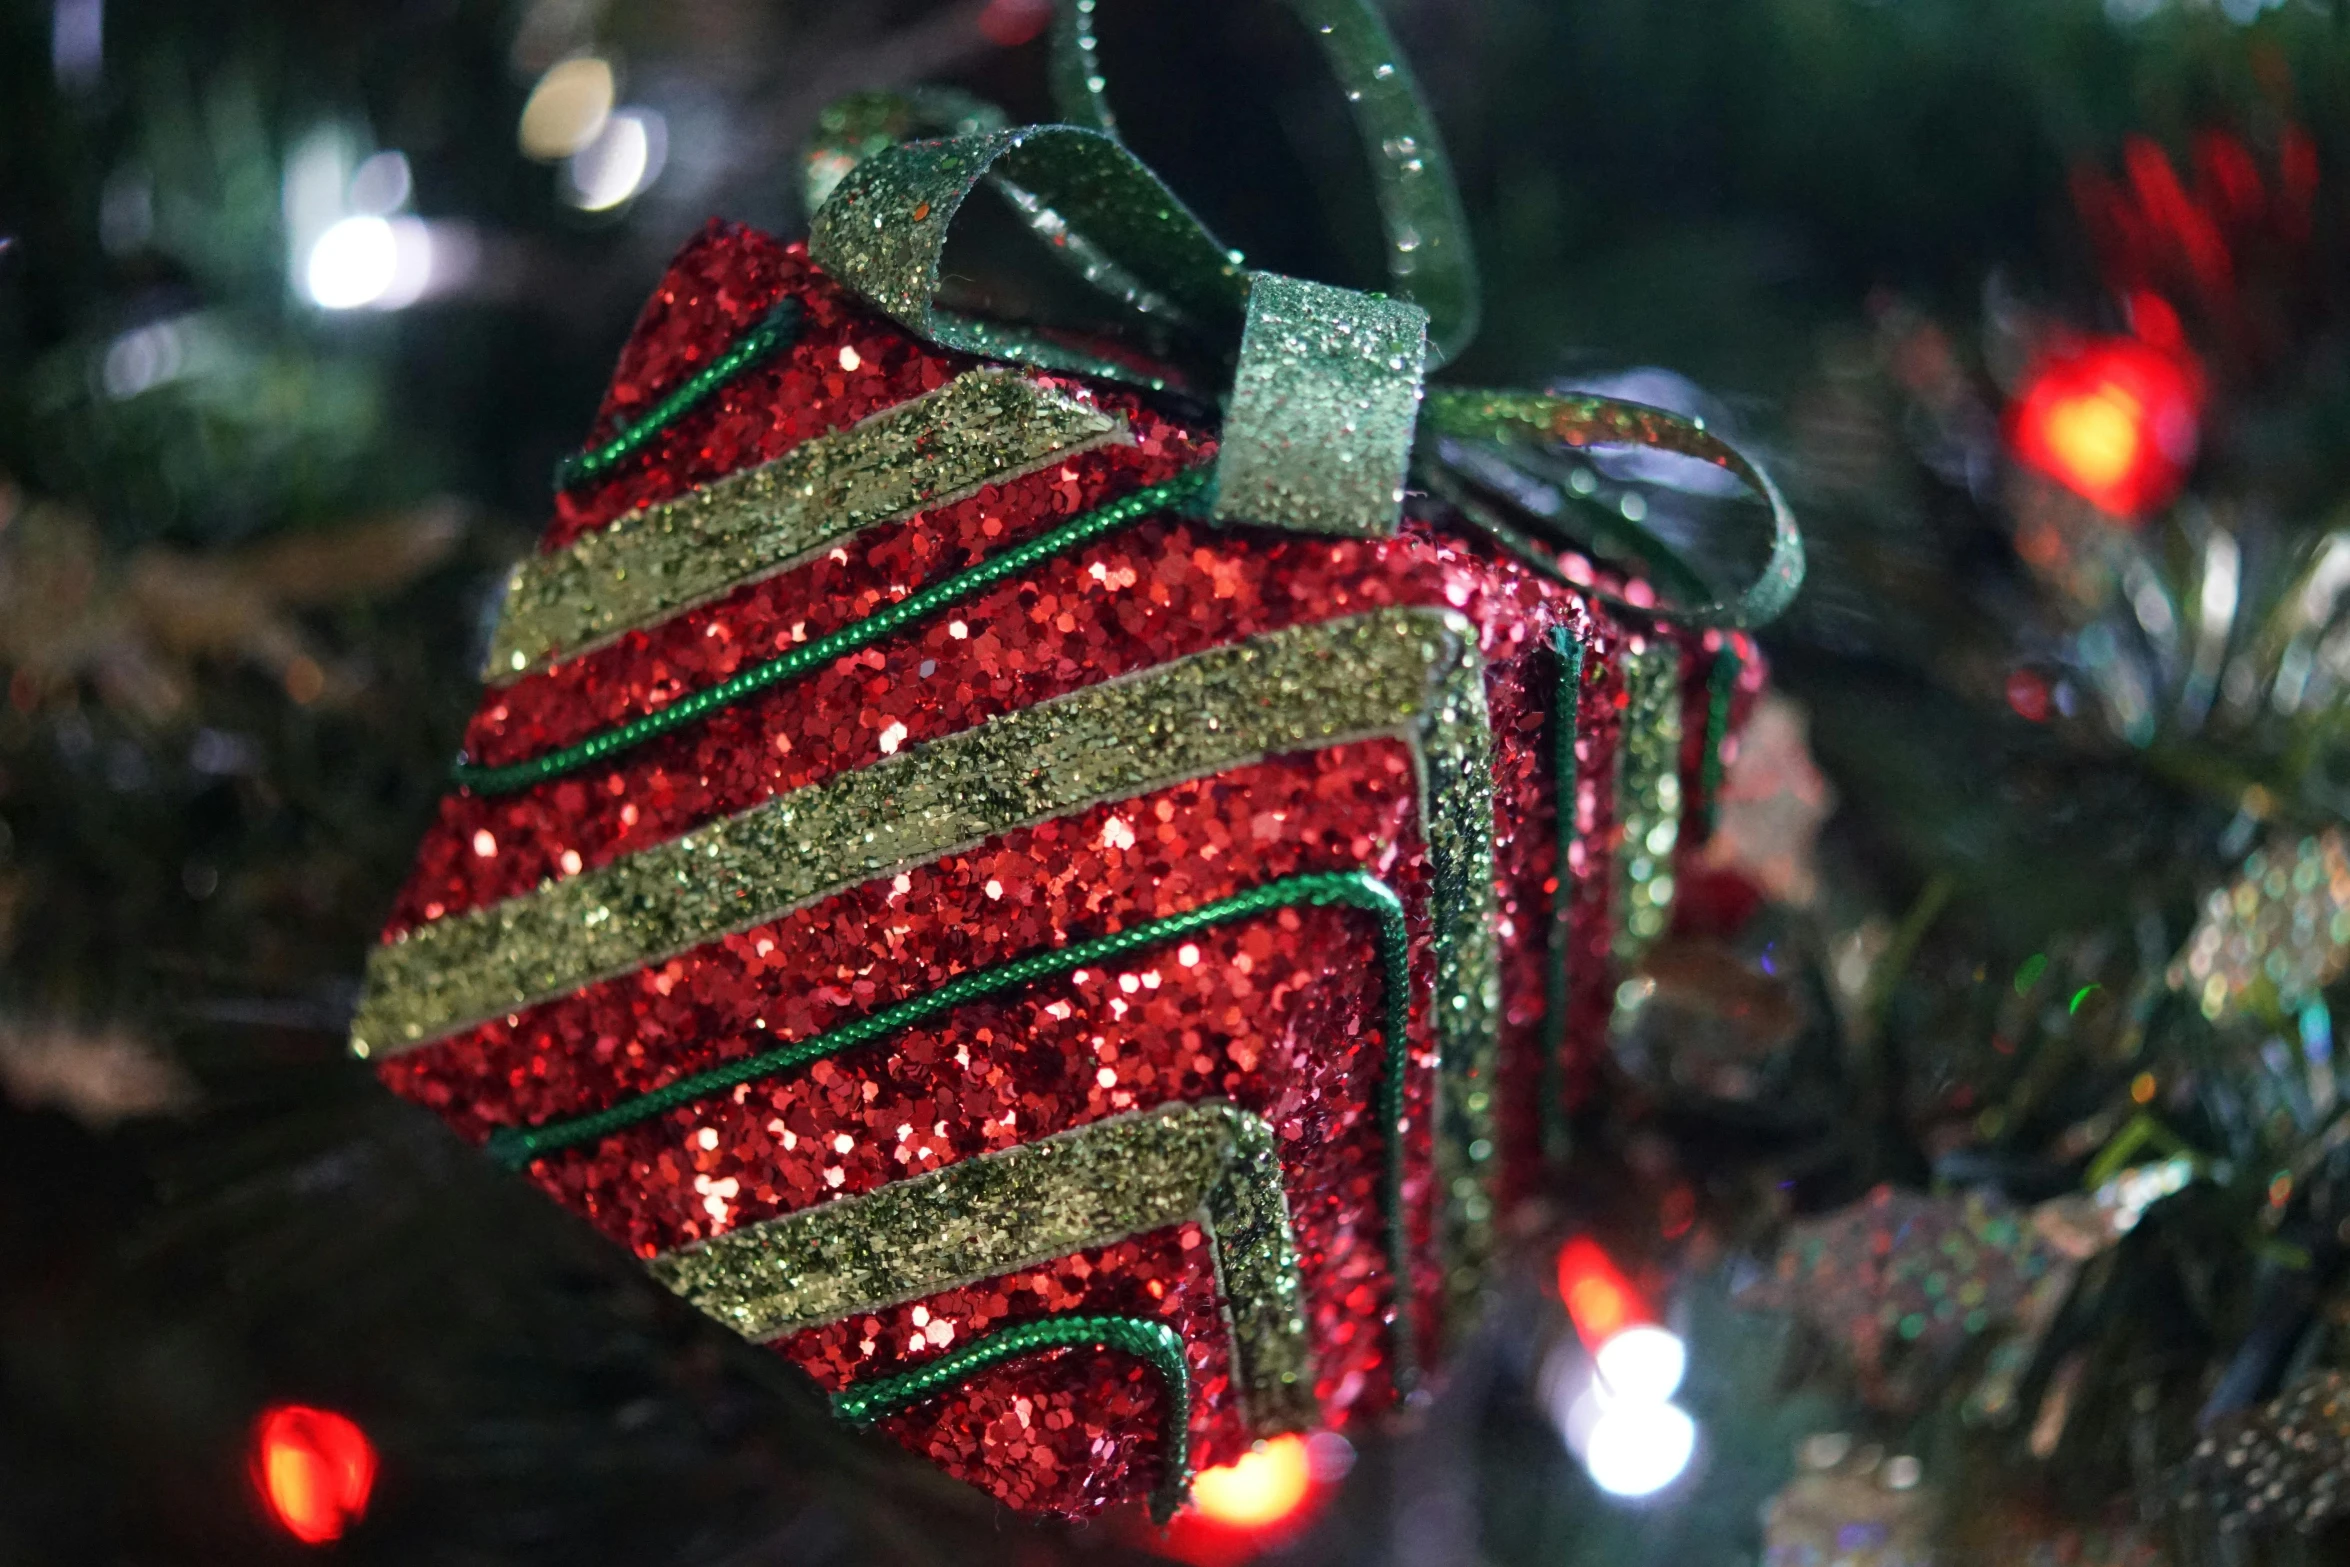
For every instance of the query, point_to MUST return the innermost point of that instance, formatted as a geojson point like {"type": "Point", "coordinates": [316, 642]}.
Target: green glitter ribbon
{"type": "Point", "coordinates": [778, 330]}
{"type": "Point", "coordinates": [1318, 430]}
{"type": "Point", "coordinates": [1184, 491]}
{"type": "Point", "coordinates": [1507, 420]}
{"type": "Point", "coordinates": [1429, 260]}
{"type": "Point", "coordinates": [883, 233]}
{"type": "Point", "coordinates": [1648, 796]}
{"type": "Point", "coordinates": [1318, 434]}
{"type": "Point", "coordinates": [1154, 1343]}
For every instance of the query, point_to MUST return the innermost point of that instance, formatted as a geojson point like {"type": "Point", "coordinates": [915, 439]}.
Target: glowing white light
{"type": "Point", "coordinates": [1643, 1364]}
{"type": "Point", "coordinates": [625, 157]}
{"type": "Point", "coordinates": [370, 262]}
{"type": "Point", "coordinates": [567, 108]}
{"type": "Point", "coordinates": [1637, 1449]}
{"type": "Point", "coordinates": [352, 264]}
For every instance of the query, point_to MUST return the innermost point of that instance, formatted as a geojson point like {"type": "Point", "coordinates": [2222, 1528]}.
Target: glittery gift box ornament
{"type": "Point", "coordinates": [1061, 889]}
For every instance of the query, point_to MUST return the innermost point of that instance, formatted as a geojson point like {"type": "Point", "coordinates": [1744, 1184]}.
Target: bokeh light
{"type": "Point", "coordinates": [625, 157]}
{"type": "Point", "coordinates": [568, 108]}
{"type": "Point", "coordinates": [1257, 1489]}
{"type": "Point", "coordinates": [314, 1468]}
{"type": "Point", "coordinates": [1599, 1299]}
{"type": "Point", "coordinates": [1637, 1449]}
{"type": "Point", "coordinates": [2114, 420]}
{"type": "Point", "coordinates": [1642, 1364]}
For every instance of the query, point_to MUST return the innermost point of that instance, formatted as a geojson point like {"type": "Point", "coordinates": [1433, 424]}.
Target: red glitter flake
{"type": "Point", "coordinates": [1280, 1013]}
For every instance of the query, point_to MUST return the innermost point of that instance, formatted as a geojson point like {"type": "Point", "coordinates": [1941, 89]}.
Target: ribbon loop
{"type": "Point", "coordinates": [1517, 419]}
{"type": "Point", "coordinates": [884, 230]}
{"type": "Point", "coordinates": [1429, 259]}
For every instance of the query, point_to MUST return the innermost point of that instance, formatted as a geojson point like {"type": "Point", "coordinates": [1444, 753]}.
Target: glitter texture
{"type": "Point", "coordinates": [981, 828]}
{"type": "Point", "coordinates": [1319, 429]}
{"type": "Point", "coordinates": [1308, 686]}
{"type": "Point", "coordinates": [778, 329]}
{"type": "Point", "coordinates": [809, 656]}
{"type": "Point", "coordinates": [885, 229]}
{"type": "Point", "coordinates": [983, 427]}
{"type": "Point", "coordinates": [1648, 794]}
{"type": "Point", "coordinates": [1152, 1342]}
{"type": "Point", "coordinates": [1210, 1162]}
{"type": "Point", "coordinates": [2275, 936]}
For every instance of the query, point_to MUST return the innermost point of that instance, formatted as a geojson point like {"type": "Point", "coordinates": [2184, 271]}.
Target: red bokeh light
{"type": "Point", "coordinates": [1259, 1502]}
{"type": "Point", "coordinates": [1599, 1299]}
{"type": "Point", "coordinates": [314, 1468]}
{"type": "Point", "coordinates": [1009, 23]}
{"type": "Point", "coordinates": [1257, 1489]}
{"type": "Point", "coordinates": [2113, 419]}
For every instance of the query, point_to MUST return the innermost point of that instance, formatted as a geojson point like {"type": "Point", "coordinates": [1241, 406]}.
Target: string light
{"type": "Point", "coordinates": [1614, 1408]}
{"type": "Point", "coordinates": [1257, 1489]}
{"type": "Point", "coordinates": [2112, 419]}
{"type": "Point", "coordinates": [314, 1468]}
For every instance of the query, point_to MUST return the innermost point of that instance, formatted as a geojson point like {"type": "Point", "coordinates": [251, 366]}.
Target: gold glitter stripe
{"type": "Point", "coordinates": [983, 427]}
{"type": "Point", "coordinates": [1414, 673]}
{"type": "Point", "coordinates": [1648, 795]}
{"type": "Point", "coordinates": [1020, 1207]}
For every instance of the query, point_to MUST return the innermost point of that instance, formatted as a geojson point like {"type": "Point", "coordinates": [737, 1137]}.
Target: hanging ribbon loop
{"type": "Point", "coordinates": [883, 231]}
{"type": "Point", "coordinates": [1507, 419]}
{"type": "Point", "coordinates": [1428, 256]}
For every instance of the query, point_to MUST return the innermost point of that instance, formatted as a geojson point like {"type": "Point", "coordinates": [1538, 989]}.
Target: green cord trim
{"type": "Point", "coordinates": [1566, 770]}
{"type": "Point", "coordinates": [515, 1146]}
{"type": "Point", "coordinates": [780, 328]}
{"type": "Point", "coordinates": [1721, 690]}
{"type": "Point", "coordinates": [1154, 1343]}
{"type": "Point", "coordinates": [809, 656]}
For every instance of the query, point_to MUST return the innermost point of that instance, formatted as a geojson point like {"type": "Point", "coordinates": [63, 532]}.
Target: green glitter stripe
{"type": "Point", "coordinates": [1152, 1342]}
{"type": "Point", "coordinates": [779, 329]}
{"type": "Point", "coordinates": [1721, 690]}
{"type": "Point", "coordinates": [515, 1146]}
{"type": "Point", "coordinates": [1567, 772]}
{"type": "Point", "coordinates": [1648, 796]}
{"type": "Point", "coordinates": [848, 639]}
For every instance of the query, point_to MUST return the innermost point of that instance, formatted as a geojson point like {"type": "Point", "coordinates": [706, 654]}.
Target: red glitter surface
{"type": "Point", "coordinates": [719, 286]}
{"type": "Point", "coordinates": [1280, 1013]}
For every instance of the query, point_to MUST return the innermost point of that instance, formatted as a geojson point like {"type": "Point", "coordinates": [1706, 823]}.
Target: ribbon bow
{"type": "Point", "coordinates": [1325, 414]}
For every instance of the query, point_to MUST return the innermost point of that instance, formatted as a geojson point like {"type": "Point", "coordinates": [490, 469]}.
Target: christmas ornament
{"type": "Point", "coordinates": [2285, 1463]}
{"type": "Point", "coordinates": [1064, 907]}
{"type": "Point", "coordinates": [1903, 1284]}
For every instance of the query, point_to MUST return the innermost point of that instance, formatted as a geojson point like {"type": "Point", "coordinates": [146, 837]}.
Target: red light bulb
{"type": "Point", "coordinates": [314, 1468]}
{"type": "Point", "coordinates": [1599, 1299]}
{"type": "Point", "coordinates": [2112, 419]}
